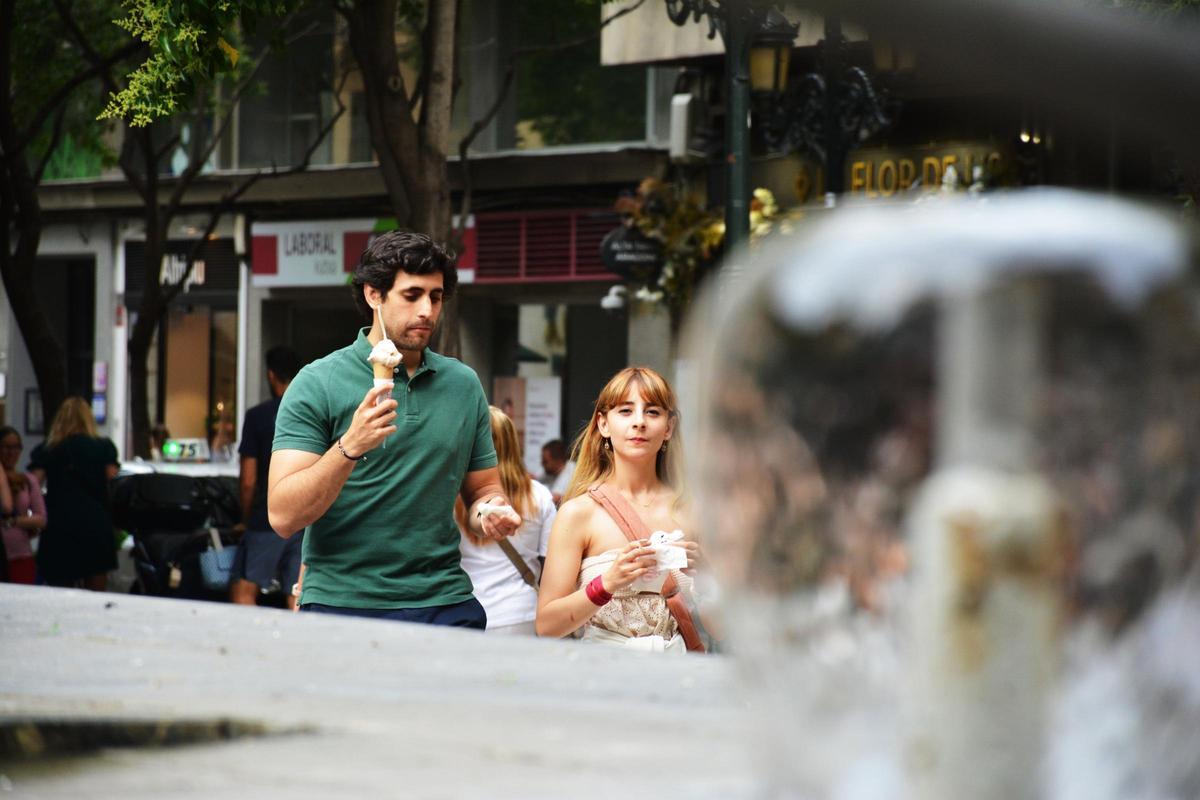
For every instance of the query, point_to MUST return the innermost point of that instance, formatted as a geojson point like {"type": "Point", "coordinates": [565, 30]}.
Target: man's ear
{"type": "Point", "coordinates": [373, 296]}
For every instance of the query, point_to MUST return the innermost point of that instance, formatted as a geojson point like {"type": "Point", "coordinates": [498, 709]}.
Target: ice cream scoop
{"type": "Point", "coordinates": [384, 358]}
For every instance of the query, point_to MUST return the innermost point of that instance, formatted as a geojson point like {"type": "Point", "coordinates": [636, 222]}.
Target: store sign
{"type": "Point", "coordinates": [543, 418]}
{"type": "Point", "coordinates": [214, 270]}
{"type": "Point", "coordinates": [878, 172]}
{"type": "Point", "coordinates": [324, 252]}
{"type": "Point", "coordinates": [884, 173]}
{"type": "Point", "coordinates": [629, 253]}
{"type": "Point", "coordinates": [174, 269]}
{"type": "Point", "coordinates": [535, 407]}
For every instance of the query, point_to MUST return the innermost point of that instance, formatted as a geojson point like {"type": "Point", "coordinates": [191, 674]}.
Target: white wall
{"type": "Point", "coordinates": [84, 239]}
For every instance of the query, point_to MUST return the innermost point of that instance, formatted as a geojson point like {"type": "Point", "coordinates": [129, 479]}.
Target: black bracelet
{"type": "Point", "coordinates": [363, 457]}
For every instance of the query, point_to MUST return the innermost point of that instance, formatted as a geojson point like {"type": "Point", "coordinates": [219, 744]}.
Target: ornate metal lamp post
{"type": "Point", "coordinates": [737, 22]}
{"type": "Point", "coordinates": [828, 111]}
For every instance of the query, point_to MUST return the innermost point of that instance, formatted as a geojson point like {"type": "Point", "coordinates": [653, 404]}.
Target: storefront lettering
{"type": "Point", "coordinates": [174, 266]}
{"type": "Point", "coordinates": [884, 177]}
{"type": "Point", "coordinates": [309, 243]}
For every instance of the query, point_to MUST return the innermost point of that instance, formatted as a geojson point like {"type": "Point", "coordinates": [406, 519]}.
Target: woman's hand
{"type": "Point", "coordinates": [635, 560]}
{"type": "Point", "coordinates": [696, 559]}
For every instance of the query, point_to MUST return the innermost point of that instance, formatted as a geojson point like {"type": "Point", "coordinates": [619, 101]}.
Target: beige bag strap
{"type": "Point", "coordinates": [634, 528]}
{"type": "Point", "coordinates": [519, 563]}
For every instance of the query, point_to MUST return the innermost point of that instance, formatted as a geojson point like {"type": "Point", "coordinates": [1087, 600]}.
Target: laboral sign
{"type": "Point", "coordinates": [324, 252]}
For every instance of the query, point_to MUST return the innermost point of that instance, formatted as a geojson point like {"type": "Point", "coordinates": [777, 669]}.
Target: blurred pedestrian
{"type": "Point", "coordinates": [505, 572]}
{"type": "Point", "coordinates": [558, 469]}
{"type": "Point", "coordinates": [265, 559]}
{"type": "Point", "coordinates": [25, 516]}
{"type": "Point", "coordinates": [78, 547]}
{"type": "Point", "coordinates": [629, 479]}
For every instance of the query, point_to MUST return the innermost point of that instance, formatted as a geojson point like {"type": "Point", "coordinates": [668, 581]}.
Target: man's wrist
{"type": "Point", "coordinates": [348, 453]}
{"type": "Point", "coordinates": [495, 499]}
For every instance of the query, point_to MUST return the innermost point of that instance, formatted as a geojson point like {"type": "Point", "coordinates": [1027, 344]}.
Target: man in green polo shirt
{"type": "Point", "coordinates": [373, 473]}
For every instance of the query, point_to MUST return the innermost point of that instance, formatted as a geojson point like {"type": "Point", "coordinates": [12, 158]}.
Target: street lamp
{"type": "Point", "coordinates": [738, 22]}
{"type": "Point", "coordinates": [826, 112]}
{"type": "Point", "coordinates": [771, 54]}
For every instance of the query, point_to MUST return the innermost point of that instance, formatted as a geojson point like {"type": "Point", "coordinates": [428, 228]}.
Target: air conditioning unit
{"type": "Point", "coordinates": [685, 115]}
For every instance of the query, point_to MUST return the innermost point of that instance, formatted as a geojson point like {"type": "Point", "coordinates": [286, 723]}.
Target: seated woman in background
{"type": "Point", "coordinates": [628, 476]}
{"type": "Point", "coordinates": [507, 592]}
{"type": "Point", "coordinates": [78, 547]}
{"type": "Point", "coordinates": [28, 510]}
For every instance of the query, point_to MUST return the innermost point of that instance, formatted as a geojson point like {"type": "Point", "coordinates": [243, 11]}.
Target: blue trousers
{"type": "Point", "coordinates": [468, 614]}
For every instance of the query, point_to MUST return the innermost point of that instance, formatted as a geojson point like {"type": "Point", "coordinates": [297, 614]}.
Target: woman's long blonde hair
{"type": "Point", "coordinates": [518, 486]}
{"type": "Point", "coordinates": [594, 463]}
{"type": "Point", "coordinates": [74, 417]}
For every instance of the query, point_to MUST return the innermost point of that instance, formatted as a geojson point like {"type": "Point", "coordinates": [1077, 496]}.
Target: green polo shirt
{"type": "Point", "coordinates": [389, 540]}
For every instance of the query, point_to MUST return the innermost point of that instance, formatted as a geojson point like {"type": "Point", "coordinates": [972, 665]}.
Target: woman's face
{"type": "Point", "coordinates": [636, 427]}
{"type": "Point", "coordinates": [10, 451]}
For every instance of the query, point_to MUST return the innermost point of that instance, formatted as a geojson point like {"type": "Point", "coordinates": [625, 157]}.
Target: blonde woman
{"type": "Point", "coordinates": [77, 548]}
{"type": "Point", "coordinates": [628, 460]}
{"type": "Point", "coordinates": [507, 596]}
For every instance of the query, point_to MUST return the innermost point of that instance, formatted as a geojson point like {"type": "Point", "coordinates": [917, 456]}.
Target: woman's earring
{"type": "Point", "coordinates": [664, 447]}
{"type": "Point", "coordinates": [608, 444]}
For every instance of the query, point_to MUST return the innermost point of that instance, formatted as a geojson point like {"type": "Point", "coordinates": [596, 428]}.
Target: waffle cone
{"type": "Point", "coordinates": [382, 371]}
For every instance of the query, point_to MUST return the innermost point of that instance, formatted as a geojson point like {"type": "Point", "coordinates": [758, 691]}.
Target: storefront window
{"type": "Point", "coordinates": [283, 114]}
{"type": "Point", "coordinates": [564, 96]}
{"type": "Point", "coordinates": [559, 96]}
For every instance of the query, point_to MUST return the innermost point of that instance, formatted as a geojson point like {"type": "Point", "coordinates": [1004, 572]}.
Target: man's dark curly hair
{"type": "Point", "coordinates": [389, 253]}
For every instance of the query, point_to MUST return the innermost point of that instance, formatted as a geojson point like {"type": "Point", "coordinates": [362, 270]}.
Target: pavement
{"type": "Point", "coordinates": [215, 700]}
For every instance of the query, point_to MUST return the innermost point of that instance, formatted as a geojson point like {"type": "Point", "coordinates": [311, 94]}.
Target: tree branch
{"type": "Point", "coordinates": [55, 138]}
{"type": "Point", "coordinates": [64, 91]}
{"type": "Point", "coordinates": [200, 156]}
{"type": "Point", "coordinates": [227, 201]}
{"type": "Point", "coordinates": [422, 82]}
{"type": "Point", "coordinates": [125, 161]}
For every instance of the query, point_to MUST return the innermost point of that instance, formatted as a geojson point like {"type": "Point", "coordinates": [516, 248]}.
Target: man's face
{"type": "Point", "coordinates": [412, 308]}
{"type": "Point", "coordinates": [550, 464]}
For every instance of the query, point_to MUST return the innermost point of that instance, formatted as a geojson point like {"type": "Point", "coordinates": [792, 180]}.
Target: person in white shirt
{"type": "Point", "coordinates": [506, 591]}
{"type": "Point", "coordinates": [559, 470]}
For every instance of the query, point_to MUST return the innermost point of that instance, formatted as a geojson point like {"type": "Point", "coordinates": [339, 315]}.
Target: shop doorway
{"type": "Point", "coordinates": [68, 289]}
{"type": "Point", "coordinates": [312, 327]}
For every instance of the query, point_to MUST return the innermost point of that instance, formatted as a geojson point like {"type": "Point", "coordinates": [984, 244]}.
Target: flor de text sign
{"type": "Point", "coordinates": [883, 172]}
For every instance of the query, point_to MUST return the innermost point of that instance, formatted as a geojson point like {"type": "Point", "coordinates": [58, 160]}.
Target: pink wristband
{"type": "Point", "coordinates": [596, 593]}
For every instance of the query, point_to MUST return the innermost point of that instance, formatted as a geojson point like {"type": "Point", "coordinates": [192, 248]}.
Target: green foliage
{"type": "Point", "coordinates": [691, 237]}
{"type": "Point", "coordinates": [192, 42]}
{"type": "Point", "coordinates": [44, 58]}
{"type": "Point", "coordinates": [79, 155]}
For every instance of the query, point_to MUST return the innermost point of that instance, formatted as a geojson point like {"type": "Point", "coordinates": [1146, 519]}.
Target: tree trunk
{"type": "Point", "coordinates": [21, 213]}
{"type": "Point", "coordinates": [149, 314]}
{"type": "Point", "coordinates": [45, 353]}
{"type": "Point", "coordinates": [412, 154]}
{"type": "Point", "coordinates": [139, 396]}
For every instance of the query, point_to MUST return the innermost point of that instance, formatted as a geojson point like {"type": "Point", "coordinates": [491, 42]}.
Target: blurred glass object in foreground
{"type": "Point", "coordinates": [948, 463]}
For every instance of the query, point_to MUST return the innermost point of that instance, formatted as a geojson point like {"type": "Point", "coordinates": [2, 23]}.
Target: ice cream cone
{"type": "Point", "coordinates": [382, 371]}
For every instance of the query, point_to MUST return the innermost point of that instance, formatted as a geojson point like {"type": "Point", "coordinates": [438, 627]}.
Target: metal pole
{"type": "Point", "coordinates": [737, 124]}
{"type": "Point", "coordinates": [835, 158]}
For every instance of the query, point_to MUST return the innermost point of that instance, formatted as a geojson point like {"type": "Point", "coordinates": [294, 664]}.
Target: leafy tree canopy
{"type": "Point", "coordinates": [191, 42]}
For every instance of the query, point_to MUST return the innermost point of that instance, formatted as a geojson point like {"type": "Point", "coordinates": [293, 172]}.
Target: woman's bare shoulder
{"type": "Point", "coordinates": [578, 510]}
